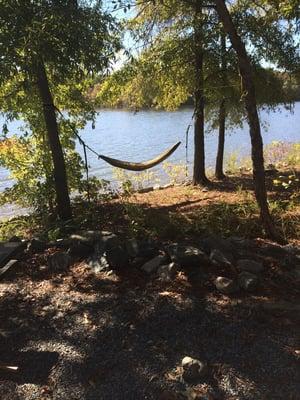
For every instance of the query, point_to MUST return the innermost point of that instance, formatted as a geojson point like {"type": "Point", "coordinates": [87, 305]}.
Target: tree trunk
{"type": "Point", "coordinates": [253, 120]}
{"type": "Point", "coordinates": [199, 177]}
{"type": "Point", "coordinates": [222, 113]}
{"type": "Point", "coordinates": [59, 167]}
{"type": "Point", "coordinates": [221, 141]}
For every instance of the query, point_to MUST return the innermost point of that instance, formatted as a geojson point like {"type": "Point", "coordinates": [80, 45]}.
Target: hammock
{"type": "Point", "coordinates": [140, 166]}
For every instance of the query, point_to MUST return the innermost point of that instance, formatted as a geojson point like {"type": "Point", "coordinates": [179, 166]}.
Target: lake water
{"type": "Point", "coordinates": [141, 136]}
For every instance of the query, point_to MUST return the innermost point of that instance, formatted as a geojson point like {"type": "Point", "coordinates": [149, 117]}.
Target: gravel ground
{"type": "Point", "coordinates": [122, 337]}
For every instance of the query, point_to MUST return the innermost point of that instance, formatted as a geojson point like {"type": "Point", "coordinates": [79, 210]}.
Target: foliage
{"type": "Point", "coordinates": [283, 154]}
{"type": "Point", "coordinates": [131, 181]}
{"type": "Point", "coordinates": [74, 40]}
{"type": "Point", "coordinates": [177, 173]}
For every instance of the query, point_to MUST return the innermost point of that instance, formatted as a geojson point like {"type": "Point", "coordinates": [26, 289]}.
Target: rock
{"type": "Point", "coordinates": [271, 171]}
{"type": "Point", "coordinates": [108, 249]}
{"type": "Point", "coordinates": [146, 190]}
{"type": "Point", "coordinates": [99, 264]}
{"type": "Point", "coordinates": [212, 242]}
{"type": "Point", "coordinates": [80, 249]}
{"type": "Point", "coordinates": [187, 256]}
{"type": "Point", "coordinates": [59, 261]}
{"type": "Point", "coordinates": [15, 239]}
{"type": "Point", "coordinates": [239, 243]}
{"type": "Point", "coordinates": [293, 275]}
{"type": "Point", "coordinates": [217, 257]}
{"type": "Point", "coordinates": [193, 369]}
{"type": "Point", "coordinates": [292, 249]}
{"type": "Point", "coordinates": [290, 261]}
{"type": "Point", "coordinates": [152, 265]}
{"type": "Point", "coordinates": [141, 249]}
{"type": "Point", "coordinates": [60, 243]}
{"type": "Point", "coordinates": [36, 246]}
{"type": "Point", "coordinates": [167, 272]}
{"type": "Point", "coordinates": [250, 266]}
{"type": "Point", "coordinates": [247, 281]}
{"type": "Point", "coordinates": [138, 262]}
{"type": "Point", "coordinates": [226, 285]}
{"type": "Point", "coordinates": [9, 250]}
{"type": "Point", "coordinates": [272, 250]}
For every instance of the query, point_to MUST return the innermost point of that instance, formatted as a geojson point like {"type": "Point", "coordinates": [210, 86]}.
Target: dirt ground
{"type": "Point", "coordinates": [121, 335]}
{"type": "Point", "coordinates": [77, 335]}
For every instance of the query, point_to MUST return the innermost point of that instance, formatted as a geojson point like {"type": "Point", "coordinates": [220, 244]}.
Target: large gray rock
{"type": "Point", "coordinates": [250, 266]}
{"type": "Point", "coordinates": [80, 249]}
{"type": "Point", "coordinates": [9, 250]}
{"type": "Point", "coordinates": [36, 245]}
{"type": "Point", "coordinates": [226, 285]}
{"type": "Point", "coordinates": [187, 256]}
{"type": "Point", "coordinates": [141, 248]}
{"type": "Point", "coordinates": [152, 265]}
{"type": "Point", "coordinates": [193, 369]}
{"type": "Point", "coordinates": [167, 272]}
{"type": "Point", "coordinates": [59, 261]}
{"type": "Point", "coordinates": [108, 251]}
{"type": "Point", "coordinates": [216, 242]}
{"type": "Point", "coordinates": [219, 258]}
{"type": "Point", "coordinates": [99, 264]}
{"type": "Point", "coordinates": [247, 281]}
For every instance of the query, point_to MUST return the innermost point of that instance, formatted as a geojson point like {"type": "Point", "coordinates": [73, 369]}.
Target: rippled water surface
{"type": "Point", "coordinates": [141, 136]}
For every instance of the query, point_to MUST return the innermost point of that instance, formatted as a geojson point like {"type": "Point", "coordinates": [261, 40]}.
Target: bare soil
{"type": "Point", "coordinates": [122, 335]}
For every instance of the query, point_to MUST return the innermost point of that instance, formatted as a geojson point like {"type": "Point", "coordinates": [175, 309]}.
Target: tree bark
{"type": "Point", "coordinates": [59, 168]}
{"type": "Point", "coordinates": [253, 120]}
{"type": "Point", "coordinates": [221, 141]}
{"type": "Point", "coordinates": [199, 176]}
{"type": "Point", "coordinates": [222, 113]}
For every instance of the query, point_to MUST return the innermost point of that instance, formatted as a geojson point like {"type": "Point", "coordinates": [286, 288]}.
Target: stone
{"type": "Point", "coordinates": [80, 249]}
{"type": "Point", "coordinates": [250, 266]}
{"type": "Point", "coordinates": [212, 242]}
{"type": "Point", "coordinates": [271, 172]}
{"type": "Point", "coordinates": [167, 272]}
{"type": "Point", "coordinates": [15, 239]}
{"type": "Point", "coordinates": [108, 249]}
{"type": "Point", "coordinates": [99, 264]}
{"type": "Point", "coordinates": [290, 261]}
{"type": "Point", "coordinates": [141, 249]}
{"type": "Point", "coordinates": [217, 257]}
{"type": "Point", "coordinates": [10, 250]}
{"type": "Point", "coordinates": [293, 275]}
{"type": "Point", "coordinates": [36, 245]}
{"type": "Point", "coordinates": [226, 285]}
{"type": "Point", "coordinates": [193, 369]}
{"type": "Point", "coordinates": [59, 261]}
{"type": "Point", "coordinates": [247, 281]}
{"type": "Point", "coordinates": [8, 266]}
{"type": "Point", "coordinates": [152, 265]}
{"type": "Point", "coordinates": [187, 256]}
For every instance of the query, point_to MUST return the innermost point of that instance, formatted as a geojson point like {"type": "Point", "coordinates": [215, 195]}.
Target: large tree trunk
{"type": "Point", "coordinates": [199, 177]}
{"type": "Point", "coordinates": [253, 120]}
{"type": "Point", "coordinates": [59, 167]}
{"type": "Point", "coordinates": [222, 114]}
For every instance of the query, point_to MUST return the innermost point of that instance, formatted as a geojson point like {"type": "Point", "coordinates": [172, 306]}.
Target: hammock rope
{"type": "Point", "coordinates": [119, 163]}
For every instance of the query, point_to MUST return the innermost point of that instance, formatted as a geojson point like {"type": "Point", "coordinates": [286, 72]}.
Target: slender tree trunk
{"type": "Point", "coordinates": [199, 177]}
{"type": "Point", "coordinates": [59, 167]}
{"type": "Point", "coordinates": [253, 120]}
{"type": "Point", "coordinates": [222, 113]}
{"type": "Point", "coordinates": [221, 141]}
